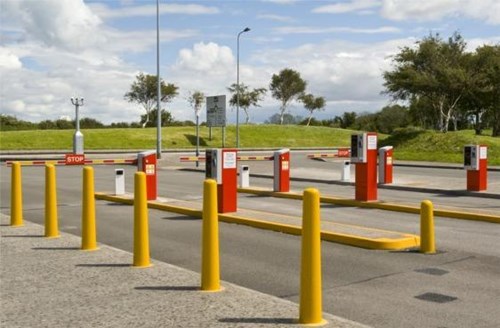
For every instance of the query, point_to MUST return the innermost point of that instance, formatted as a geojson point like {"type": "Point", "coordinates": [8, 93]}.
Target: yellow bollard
{"type": "Point", "coordinates": [141, 228]}
{"type": "Point", "coordinates": [51, 226]}
{"type": "Point", "coordinates": [310, 270]}
{"type": "Point", "coordinates": [210, 274]}
{"type": "Point", "coordinates": [427, 240]}
{"type": "Point", "coordinates": [89, 239]}
{"type": "Point", "coordinates": [16, 197]}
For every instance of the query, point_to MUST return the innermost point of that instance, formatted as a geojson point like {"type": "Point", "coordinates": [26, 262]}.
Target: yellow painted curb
{"type": "Point", "coordinates": [407, 240]}
{"type": "Point", "coordinates": [378, 205]}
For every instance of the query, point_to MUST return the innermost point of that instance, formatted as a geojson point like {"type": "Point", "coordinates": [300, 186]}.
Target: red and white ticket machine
{"type": "Point", "coordinates": [476, 164]}
{"type": "Point", "coordinates": [221, 165]}
{"type": "Point", "coordinates": [364, 156]}
{"type": "Point", "coordinates": [146, 162]}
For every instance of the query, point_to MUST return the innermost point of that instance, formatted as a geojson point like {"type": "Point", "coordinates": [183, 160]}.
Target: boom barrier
{"type": "Point", "coordinates": [84, 162]}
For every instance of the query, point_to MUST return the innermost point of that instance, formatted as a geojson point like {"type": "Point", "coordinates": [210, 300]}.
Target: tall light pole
{"type": "Point", "coordinates": [158, 95]}
{"type": "Point", "coordinates": [238, 86]}
{"type": "Point", "coordinates": [78, 136]}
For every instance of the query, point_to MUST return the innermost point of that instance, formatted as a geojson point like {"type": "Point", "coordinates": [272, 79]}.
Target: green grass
{"type": "Point", "coordinates": [409, 144]}
{"type": "Point", "coordinates": [422, 145]}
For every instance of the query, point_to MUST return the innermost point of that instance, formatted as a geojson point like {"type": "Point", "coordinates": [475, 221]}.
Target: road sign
{"type": "Point", "coordinates": [74, 159]}
{"type": "Point", "coordinates": [216, 111]}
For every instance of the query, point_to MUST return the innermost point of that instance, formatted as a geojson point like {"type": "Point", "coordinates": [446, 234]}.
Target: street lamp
{"type": "Point", "coordinates": [158, 85]}
{"type": "Point", "coordinates": [78, 137]}
{"type": "Point", "coordinates": [238, 87]}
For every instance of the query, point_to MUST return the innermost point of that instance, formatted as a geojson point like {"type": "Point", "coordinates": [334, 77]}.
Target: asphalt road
{"type": "Point", "coordinates": [458, 287]}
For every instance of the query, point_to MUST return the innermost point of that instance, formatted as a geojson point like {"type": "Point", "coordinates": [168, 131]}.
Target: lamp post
{"type": "Point", "coordinates": [158, 95]}
{"type": "Point", "coordinates": [197, 136]}
{"type": "Point", "coordinates": [238, 86]}
{"type": "Point", "coordinates": [78, 136]}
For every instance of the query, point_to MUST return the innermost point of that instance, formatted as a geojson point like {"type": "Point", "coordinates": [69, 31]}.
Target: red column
{"type": "Point", "coordinates": [227, 190]}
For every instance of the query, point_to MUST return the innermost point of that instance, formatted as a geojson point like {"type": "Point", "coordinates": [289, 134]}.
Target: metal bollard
{"type": "Point", "coordinates": [141, 226]}
{"type": "Point", "coordinates": [210, 267]}
{"type": "Point", "coordinates": [89, 235]}
{"type": "Point", "coordinates": [244, 176]}
{"type": "Point", "coordinates": [346, 172]}
{"type": "Point", "coordinates": [119, 182]}
{"type": "Point", "coordinates": [51, 220]}
{"type": "Point", "coordinates": [16, 198]}
{"type": "Point", "coordinates": [310, 307]}
{"type": "Point", "coordinates": [427, 239]}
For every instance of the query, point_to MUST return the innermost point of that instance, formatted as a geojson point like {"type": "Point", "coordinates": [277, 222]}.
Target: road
{"type": "Point", "coordinates": [458, 287]}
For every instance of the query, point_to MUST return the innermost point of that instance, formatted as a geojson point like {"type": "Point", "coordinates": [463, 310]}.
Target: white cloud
{"type": "Point", "coordinates": [281, 2]}
{"type": "Point", "coordinates": [319, 30]}
{"type": "Point", "coordinates": [209, 58]}
{"type": "Point", "coordinates": [9, 60]}
{"type": "Point", "coordinates": [67, 24]}
{"type": "Point", "coordinates": [424, 10]}
{"type": "Point", "coordinates": [278, 18]}
{"type": "Point", "coordinates": [150, 10]}
{"type": "Point", "coordinates": [346, 7]}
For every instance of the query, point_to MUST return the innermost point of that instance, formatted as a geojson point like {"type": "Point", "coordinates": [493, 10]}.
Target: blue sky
{"type": "Point", "coordinates": [51, 50]}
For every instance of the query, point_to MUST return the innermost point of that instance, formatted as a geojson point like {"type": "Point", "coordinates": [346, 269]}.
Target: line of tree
{"type": "Point", "coordinates": [447, 87]}
{"type": "Point", "coordinates": [286, 86]}
{"type": "Point", "coordinates": [442, 85]}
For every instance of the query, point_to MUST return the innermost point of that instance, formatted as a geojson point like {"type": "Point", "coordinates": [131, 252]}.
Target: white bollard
{"type": "Point", "coordinates": [244, 176]}
{"type": "Point", "coordinates": [346, 171]}
{"type": "Point", "coordinates": [119, 182]}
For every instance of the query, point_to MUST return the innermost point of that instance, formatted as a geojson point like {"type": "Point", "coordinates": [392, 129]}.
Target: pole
{"type": "Point", "coordinates": [77, 105]}
{"type": "Point", "coordinates": [78, 136]}
{"type": "Point", "coordinates": [197, 139]}
{"type": "Point", "coordinates": [238, 91]}
{"type": "Point", "coordinates": [238, 87]}
{"type": "Point", "coordinates": [158, 95]}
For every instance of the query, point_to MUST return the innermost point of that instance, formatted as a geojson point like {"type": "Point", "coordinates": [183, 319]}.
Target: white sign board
{"type": "Point", "coordinates": [216, 111]}
{"type": "Point", "coordinates": [483, 152]}
{"type": "Point", "coordinates": [229, 160]}
{"type": "Point", "coordinates": [372, 142]}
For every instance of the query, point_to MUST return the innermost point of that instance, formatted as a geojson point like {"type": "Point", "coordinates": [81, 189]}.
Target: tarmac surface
{"type": "Point", "coordinates": [52, 283]}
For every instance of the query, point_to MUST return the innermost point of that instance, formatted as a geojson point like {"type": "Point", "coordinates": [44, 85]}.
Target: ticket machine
{"type": "Point", "coordinates": [146, 162]}
{"type": "Point", "coordinates": [282, 170]}
{"type": "Point", "coordinates": [476, 164]}
{"type": "Point", "coordinates": [221, 165]}
{"type": "Point", "coordinates": [385, 165]}
{"type": "Point", "coordinates": [364, 156]}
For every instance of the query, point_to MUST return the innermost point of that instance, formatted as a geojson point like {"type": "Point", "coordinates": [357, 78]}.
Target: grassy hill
{"type": "Point", "coordinates": [409, 144]}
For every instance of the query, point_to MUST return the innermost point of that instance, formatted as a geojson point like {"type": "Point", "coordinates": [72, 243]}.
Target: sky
{"type": "Point", "coordinates": [52, 50]}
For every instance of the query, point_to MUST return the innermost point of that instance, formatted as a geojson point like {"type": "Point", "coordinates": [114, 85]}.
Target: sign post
{"type": "Point", "coordinates": [216, 114]}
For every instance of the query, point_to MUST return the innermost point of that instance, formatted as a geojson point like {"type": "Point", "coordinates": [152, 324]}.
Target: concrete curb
{"type": "Point", "coordinates": [406, 241]}
{"type": "Point", "coordinates": [378, 205]}
{"type": "Point", "coordinates": [380, 186]}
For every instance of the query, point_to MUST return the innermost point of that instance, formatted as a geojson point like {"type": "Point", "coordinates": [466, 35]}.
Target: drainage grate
{"type": "Point", "coordinates": [433, 271]}
{"type": "Point", "coordinates": [437, 298]}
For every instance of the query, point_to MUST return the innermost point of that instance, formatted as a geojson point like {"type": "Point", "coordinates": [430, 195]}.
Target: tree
{"type": "Point", "coordinates": [366, 122]}
{"type": "Point", "coordinates": [287, 119]}
{"type": "Point", "coordinates": [90, 123]}
{"type": "Point", "coordinates": [151, 119]}
{"type": "Point", "coordinates": [482, 99]}
{"type": "Point", "coordinates": [347, 119]}
{"type": "Point", "coordinates": [392, 117]}
{"type": "Point", "coordinates": [435, 71]}
{"type": "Point", "coordinates": [247, 98]}
{"type": "Point", "coordinates": [196, 100]}
{"type": "Point", "coordinates": [285, 87]}
{"type": "Point", "coordinates": [144, 92]}
{"type": "Point", "coordinates": [312, 104]}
